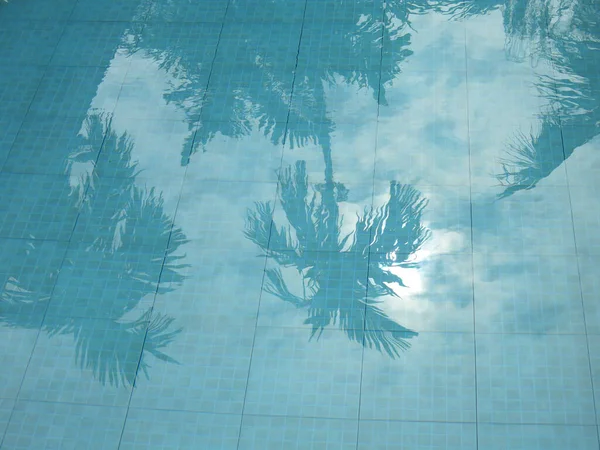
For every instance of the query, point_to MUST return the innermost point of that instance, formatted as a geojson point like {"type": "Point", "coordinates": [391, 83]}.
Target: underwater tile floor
{"type": "Point", "coordinates": [300, 224]}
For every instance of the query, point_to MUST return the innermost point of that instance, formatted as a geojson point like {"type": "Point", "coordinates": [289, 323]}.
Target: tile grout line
{"type": "Point", "coordinates": [587, 341]}
{"type": "Point", "coordinates": [466, 53]}
{"type": "Point", "coordinates": [35, 343]}
{"type": "Point", "coordinates": [271, 225]}
{"type": "Point", "coordinates": [364, 330]}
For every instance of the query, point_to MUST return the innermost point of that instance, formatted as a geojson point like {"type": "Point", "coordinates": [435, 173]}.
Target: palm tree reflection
{"type": "Point", "coordinates": [109, 345]}
{"type": "Point", "coordinates": [313, 243]}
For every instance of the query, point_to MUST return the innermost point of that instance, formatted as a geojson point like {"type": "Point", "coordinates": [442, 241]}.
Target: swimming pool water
{"type": "Point", "coordinates": [299, 224]}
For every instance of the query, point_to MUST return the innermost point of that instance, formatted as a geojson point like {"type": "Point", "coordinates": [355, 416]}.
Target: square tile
{"type": "Point", "coordinates": [206, 369]}
{"type": "Point", "coordinates": [438, 44]}
{"type": "Point", "coordinates": [182, 12]}
{"type": "Point", "coordinates": [271, 433]}
{"type": "Point", "coordinates": [18, 86]}
{"type": "Point", "coordinates": [586, 218]}
{"type": "Point", "coordinates": [11, 125]}
{"type": "Point", "coordinates": [154, 89]}
{"type": "Point", "coordinates": [536, 437]}
{"type": "Point", "coordinates": [217, 213]}
{"type": "Point", "coordinates": [323, 98]}
{"type": "Point", "coordinates": [388, 435]}
{"type": "Point", "coordinates": [282, 362]}
{"type": "Point", "coordinates": [248, 93]}
{"type": "Point", "coordinates": [18, 334]}
{"type": "Point", "coordinates": [315, 290]}
{"type": "Point", "coordinates": [237, 151]}
{"type": "Point", "coordinates": [73, 91]}
{"type": "Point", "coordinates": [146, 151]}
{"type": "Point", "coordinates": [97, 44]}
{"type": "Point", "coordinates": [28, 272]}
{"type": "Point", "coordinates": [37, 10]}
{"type": "Point", "coordinates": [57, 145]}
{"type": "Point", "coordinates": [108, 11]}
{"type": "Point", "coordinates": [517, 158]}
{"type": "Point", "coordinates": [590, 289]}
{"type": "Point", "coordinates": [433, 380]}
{"type": "Point", "coordinates": [66, 426]}
{"type": "Point", "coordinates": [534, 379]}
{"type": "Point", "coordinates": [432, 294]}
{"type": "Point", "coordinates": [419, 220]}
{"type": "Point", "coordinates": [29, 41]}
{"type": "Point", "coordinates": [581, 142]}
{"type": "Point", "coordinates": [126, 214]}
{"type": "Point", "coordinates": [270, 11]}
{"type": "Point", "coordinates": [253, 43]}
{"type": "Point", "coordinates": [85, 361]}
{"type": "Point", "coordinates": [147, 428]}
{"type": "Point", "coordinates": [341, 45]}
{"type": "Point", "coordinates": [527, 294]}
{"type": "Point", "coordinates": [532, 222]}
{"type": "Point", "coordinates": [6, 408]}
{"type": "Point", "coordinates": [38, 206]}
{"type": "Point", "coordinates": [96, 282]}
{"type": "Point", "coordinates": [354, 13]}
{"type": "Point", "coordinates": [346, 150]}
{"type": "Point", "coordinates": [199, 282]}
{"type": "Point", "coordinates": [594, 349]}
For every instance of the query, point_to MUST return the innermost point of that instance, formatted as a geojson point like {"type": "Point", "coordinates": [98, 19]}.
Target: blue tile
{"type": "Point", "coordinates": [205, 12]}
{"type": "Point", "coordinates": [28, 272]}
{"type": "Point", "coordinates": [270, 433]}
{"type": "Point", "coordinates": [388, 435]}
{"type": "Point", "coordinates": [37, 10]}
{"type": "Point", "coordinates": [47, 144]}
{"type": "Point", "coordinates": [534, 437]}
{"type": "Point", "coordinates": [127, 214]}
{"type": "Point", "coordinates": [28, 41]}
{"type": "Point", "coordinates": [38, 206]}
{"type": "Point", "coordinates": [6, 407]}
{"type": "Point", "coordinates": [536, 222]}
{"type": "Point", "coordinates": [247, 94]}
{"type": "Point", "coordinates": [237, 151]}
{"type": "Point", "coordinates": [586, 218]}
{"type": "Point", "coordinates": [594, 352]}
{"type": "Point", "coordinates": [534, 379]}
{"type": "Point", "coordinates": [157, 429]}
{"type": "Point", "coordinates": [271, 11]}
{"type": "Point", "coordinates": [65, 426]}
{"type": "Point", "coordinates": [282, 362]}
{"type": "Point", "coordinates": [254, 44]}
{"type": "Point", "coordinates": [194, 277]}
{"type": "Point", "coordinates": [527, 294]}
{"type": "Point", "coordinates": [18, 86]}
{"type": "Point", "coordinates": [341, 45]}
{"type": "Point", "coordinates": [346, 149]}
{"type": "Point", "coordinates": [354, 13]}
{"type": "Point", "coordinates": [590, 289]}
{"type": "Point", "coordinates": [18, 334]}
{"type": "Point", "coordinates": [85, 361]}
{"type": "Point", "coordinates": [108, 11]}
{"type": "Point", "coordinates": [75, 91]}
{"type": "Point", "coordinates": [433, 380]}
{"type": "Point", "coordinates": [216, 213]}
{"type": "Point", "coordinates": [97, 282]}
{"type": "Point", "coordinates": [431, 294]}
{"type": "Point", "coordinates": [206, 369]}
{"type": "Point", "coordinates": [344, 97]}
{"type": "Point", "coordinates": [97, 44]}
{"type": "Point", "coordinates": [11, 125]}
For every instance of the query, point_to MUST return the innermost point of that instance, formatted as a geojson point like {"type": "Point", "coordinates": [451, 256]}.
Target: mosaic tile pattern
{"type": "Point", "coordinates": [61, 425]}
{"type": "Point", "coordinates": [311, 224]}
{"type": "Point", "coordinates": [542, 379]}
{"type": "Point", "coordinates": [537, 437]}
{"type": "Point", "coordinates": [147, 428]}
{"type": "Point", "coordinates": [297, 433]}
{"type": "Point", "coordinates": [384, 435]}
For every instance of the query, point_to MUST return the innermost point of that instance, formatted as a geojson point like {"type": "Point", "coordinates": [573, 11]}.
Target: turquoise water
{"type": "Point", "coordinates": [299, 224]}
